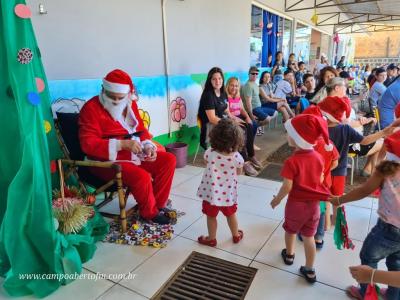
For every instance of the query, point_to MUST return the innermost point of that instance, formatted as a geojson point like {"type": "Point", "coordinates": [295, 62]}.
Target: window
{"type": "Point", "coordinates": [269, 33]}
{"type": "Point", "coordinates": [256, 43]}
{"type": "Point", "coordinates": [301, 47]}
{"type": "Point", "coordinates": [283, 36]}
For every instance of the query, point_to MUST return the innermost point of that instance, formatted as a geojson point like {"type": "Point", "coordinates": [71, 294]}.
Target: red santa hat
{"type": "Point", "coordinates": [392, 143]}
{"type": "Point", "coordinates": [336, 109]}
{"type": "Point", "coordinates": [397, 111]}
{"type": "Point", "coordinates": [305, 130]}
{"type": "Point", "coordinates": [118, 81]}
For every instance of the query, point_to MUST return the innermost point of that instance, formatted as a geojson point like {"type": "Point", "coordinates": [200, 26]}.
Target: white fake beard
{"type": "Point", "coordinates": [115, 108]}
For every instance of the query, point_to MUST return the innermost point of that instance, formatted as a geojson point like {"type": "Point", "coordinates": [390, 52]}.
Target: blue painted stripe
{"type": "Point", "coordinates": [150, 87]}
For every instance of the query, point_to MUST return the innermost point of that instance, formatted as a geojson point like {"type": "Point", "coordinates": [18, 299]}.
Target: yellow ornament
{"type": "Point", "coordinates": [145, 117]}
{"type": "Point", "coordinates": [47, 126]}
{"type": "Point", "coordinates": [314, 18]}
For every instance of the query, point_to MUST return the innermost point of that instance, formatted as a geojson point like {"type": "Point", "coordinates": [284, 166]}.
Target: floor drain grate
{"type": "Point", "coordinates": [206, 277]}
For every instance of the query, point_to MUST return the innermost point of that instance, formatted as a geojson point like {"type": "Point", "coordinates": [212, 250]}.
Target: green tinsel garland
{"type": "Point", "coordinates": [341, 233]}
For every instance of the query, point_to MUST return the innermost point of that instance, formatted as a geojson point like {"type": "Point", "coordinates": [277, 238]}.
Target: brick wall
{"type": "Point", "coordinates": [378, 44]}
{"type": "Point", "coordinates": [377, 48]}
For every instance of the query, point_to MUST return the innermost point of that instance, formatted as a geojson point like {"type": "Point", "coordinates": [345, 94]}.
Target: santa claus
{"type": "Point", "coordinates": [110, 129]}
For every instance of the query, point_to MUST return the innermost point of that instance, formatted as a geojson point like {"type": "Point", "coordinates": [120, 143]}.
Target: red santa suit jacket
{"type": "Point", "coordinates": [99, 132]}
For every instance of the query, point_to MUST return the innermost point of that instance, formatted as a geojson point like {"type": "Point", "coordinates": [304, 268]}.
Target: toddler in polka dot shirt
{"type": "Point", "coordinates": [218, 187]}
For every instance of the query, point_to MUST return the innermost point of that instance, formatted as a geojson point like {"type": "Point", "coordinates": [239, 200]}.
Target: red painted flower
{"type": "Point", "coordinates": [178, 109]}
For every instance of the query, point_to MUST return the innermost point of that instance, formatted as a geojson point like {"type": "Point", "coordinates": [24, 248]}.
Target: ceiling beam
{"type": "Point", "coordinates": [366, 28]}
{"type": "Point", "coordinates": [341, 18]}
{"type": "Point", "coordinates": [325, 3]}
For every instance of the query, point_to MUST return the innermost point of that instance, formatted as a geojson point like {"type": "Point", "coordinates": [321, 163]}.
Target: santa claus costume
{"type": "Point", "coordinates": [103, 123]}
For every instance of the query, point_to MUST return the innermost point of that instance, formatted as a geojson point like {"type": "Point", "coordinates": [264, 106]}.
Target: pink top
{"type": "Point", "coordinates": [389, 200]}
{"type": "Point", "coordinates": [219, 183]}
{"type": "Point", "coordinates": [235, 104]}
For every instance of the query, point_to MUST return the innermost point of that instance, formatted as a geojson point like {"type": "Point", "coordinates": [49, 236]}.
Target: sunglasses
{"type": "Point", "coordinates": [254, 73]}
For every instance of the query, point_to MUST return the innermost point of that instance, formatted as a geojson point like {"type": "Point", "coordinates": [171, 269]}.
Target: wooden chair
{"type": "Point", "coordinates": [67, 130]}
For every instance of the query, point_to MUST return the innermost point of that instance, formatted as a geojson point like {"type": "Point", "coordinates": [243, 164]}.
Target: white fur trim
{"type": "Point", "coordinates": [135, 159]}
{"type": "Point", "coordinates": [116, 87]}
{"type": "Point", "coordinates": [113, 146]}
{"type": "Point", "coordinates": [300, 142]}
{"type": "Point", "coordinates": [330, 117]}
{"type": "Point", "coordinates": [392, 157]}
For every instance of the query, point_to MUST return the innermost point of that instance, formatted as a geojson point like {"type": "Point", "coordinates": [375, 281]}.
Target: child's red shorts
{"type": "Point", "coordinates": [301, 217]}
{"type": "Point", "coordinates": [213, 210]}
{"type": "Point", "coordinates": [338, 184]}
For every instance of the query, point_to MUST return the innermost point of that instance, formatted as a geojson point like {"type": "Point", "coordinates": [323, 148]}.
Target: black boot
{"type": "Point", "coordinates": [161, 219]}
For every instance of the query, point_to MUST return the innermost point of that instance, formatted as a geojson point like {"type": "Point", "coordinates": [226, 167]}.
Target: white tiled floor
{"type": "Point", "coordinates": [260, 248]}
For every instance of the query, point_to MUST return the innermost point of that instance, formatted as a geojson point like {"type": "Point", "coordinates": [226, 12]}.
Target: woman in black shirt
{"type": "Point", "coordinates": [214, 107]}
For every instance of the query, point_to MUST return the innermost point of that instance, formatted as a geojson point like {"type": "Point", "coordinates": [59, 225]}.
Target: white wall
{"type": "Point", "coordinates": [207, 33]}
{"type": "Point", "coordinates": [87, 38]}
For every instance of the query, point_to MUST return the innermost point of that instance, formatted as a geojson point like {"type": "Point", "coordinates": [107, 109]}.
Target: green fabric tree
{"type": "Point", "coordinates": [29, 243]}
{"type": "Point", "coordinates": [27, 234]}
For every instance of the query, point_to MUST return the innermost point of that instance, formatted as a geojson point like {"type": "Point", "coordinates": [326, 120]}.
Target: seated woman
{"type": "Point", "coordinates": [279, 62]}
{"type": "Point", "coordinates": [378, 89]}
{"type": "Point", "coordinates": [292, 64]}
{"type": "Point", "coordinates": [325, 75]}
{"type": "Point", "coordinates": [214, 107]}
{"type": "Point", "coordinates": [239, 114]}
{"type": "Point", "coordinates": [269, 100]}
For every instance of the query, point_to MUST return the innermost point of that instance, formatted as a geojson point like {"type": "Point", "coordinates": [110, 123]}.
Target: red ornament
{"type": "Point", "coordinates": [90, 199]}
{"type": "Point", "coordinates": [53, 166]}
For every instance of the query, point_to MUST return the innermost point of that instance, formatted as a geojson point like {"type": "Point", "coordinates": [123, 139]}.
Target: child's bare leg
{"type": "Point", "coordinates": [289, 241]}
{"type": "Point", "coordinates": [327, 216]}
{"type": "Point", "coordinates": [212, 228]}
{"type": "Point", "coordinates": [310, 251]}
{"type": "Point", "coordinates": [233, 224]}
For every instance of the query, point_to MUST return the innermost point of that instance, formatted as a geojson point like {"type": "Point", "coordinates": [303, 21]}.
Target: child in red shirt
{"type": "Point", "coordinates": [331, 160]}
{"type": "Point", "coordinates": [303, 175]}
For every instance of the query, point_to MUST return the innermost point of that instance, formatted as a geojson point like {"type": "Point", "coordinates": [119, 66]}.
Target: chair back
{"type": "Point", "coordinates": [377, 117]}
{"type": "Point", "coordinates": [69, 130]}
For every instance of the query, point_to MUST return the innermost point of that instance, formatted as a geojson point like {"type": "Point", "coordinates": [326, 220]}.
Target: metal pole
{"type": "Point", "coordinates": [166, 61]}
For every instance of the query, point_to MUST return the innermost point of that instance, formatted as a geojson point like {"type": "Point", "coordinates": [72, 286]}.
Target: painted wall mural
{"type": "Point", "coordinates": [185, 92]}
{"type": "Point", "coordinates": [178, 109]}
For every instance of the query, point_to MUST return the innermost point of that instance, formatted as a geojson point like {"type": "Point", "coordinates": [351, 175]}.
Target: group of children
{"type": "Point", "coordinates": [314, 174]}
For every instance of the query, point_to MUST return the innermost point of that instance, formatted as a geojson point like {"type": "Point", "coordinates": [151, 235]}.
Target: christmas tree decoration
{"type": "Point", "coordinates": [33, 98]}
{"type": "Point", "coordinates": [341, 233]}
{"type": "Point", "coordinates": [47, 126]}
{"type": "Point", "coordinates": [29, 241]}
{"type": "Point", "coordinates": [23, 11]}
{"type": "Point", "coordinates": [71, 214]}
{"type": "Point", "coordinates": [40, 84]}
{"type": "Point", "coordinates": [25, 56]}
